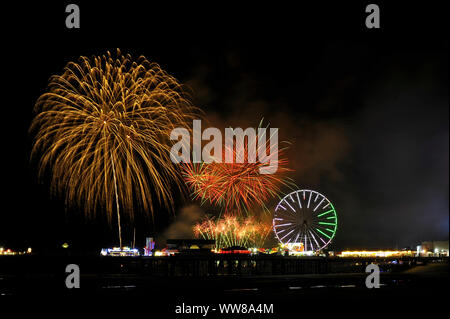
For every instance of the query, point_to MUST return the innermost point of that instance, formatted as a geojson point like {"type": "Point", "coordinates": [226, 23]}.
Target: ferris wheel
{"type": "Point", "coordinates": [307, 218]}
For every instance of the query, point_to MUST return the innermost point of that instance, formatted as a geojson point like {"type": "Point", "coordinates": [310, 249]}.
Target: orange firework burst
{"type": "Point", "coordinates": [103, 133]}
{"type": "Point", "coordinates": [233, 231]}
{"type": "Point", "coordinates": [237, 187]}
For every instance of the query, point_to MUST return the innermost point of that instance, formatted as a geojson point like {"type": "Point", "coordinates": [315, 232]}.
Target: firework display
{"type": "Point", "coordinates": [307, 218]}
{"type": "Point", "coordinates": [102, 133]}
{"type": "Point", "coordinates": [231, 231]}
{"type": "Point", "coordinates": [237, 187]}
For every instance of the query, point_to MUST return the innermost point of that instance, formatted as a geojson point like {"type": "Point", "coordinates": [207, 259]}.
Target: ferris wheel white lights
{"type": "Point", "coordinates": [307, 218]}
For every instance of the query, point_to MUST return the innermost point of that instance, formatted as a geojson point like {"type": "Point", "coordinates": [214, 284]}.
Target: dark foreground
{"type": "Point", "coordinates": [323, 288]}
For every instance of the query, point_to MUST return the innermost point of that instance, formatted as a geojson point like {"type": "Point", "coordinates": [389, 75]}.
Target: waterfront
{"type": "Point", "coordinates": [226, 275]}
{"type": "Point", "coordinates": [120, 287]}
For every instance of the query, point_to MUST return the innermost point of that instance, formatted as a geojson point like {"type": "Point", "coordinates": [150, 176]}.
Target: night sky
{"type": "Point", "coordinates": [366, 111]}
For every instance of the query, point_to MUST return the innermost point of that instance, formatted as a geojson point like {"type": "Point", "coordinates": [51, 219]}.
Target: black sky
{"type": "Point", "coordinates": [366, 110]}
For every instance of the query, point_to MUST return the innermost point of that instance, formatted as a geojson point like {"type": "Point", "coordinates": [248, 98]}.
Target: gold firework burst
{"type": "Point", "coordinates": [102, 131]}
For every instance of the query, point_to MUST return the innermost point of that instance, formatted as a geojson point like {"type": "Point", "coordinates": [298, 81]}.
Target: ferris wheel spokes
{"type": "Point", "coordinates": [306, 218]}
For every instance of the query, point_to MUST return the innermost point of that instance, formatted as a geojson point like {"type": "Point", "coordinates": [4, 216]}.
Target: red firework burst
{"type": "Point", "coordinates": [237, 187]}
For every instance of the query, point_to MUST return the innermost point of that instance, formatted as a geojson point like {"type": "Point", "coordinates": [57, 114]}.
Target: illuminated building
{"type": "Point", "coordinates": [297, 247]}
{"type": "Point", "coordinates": [149, 246]}
{"type": "Point", "coordinates": [120, 252]}
{"type": "Point", "coordinates": [433, 249]}
{"type": "Point", "coordinates": [190, 244]}
{"type": "Point", "coordinates": [186, 246]}
{"type": "Point", "coordinates": [235, 250]}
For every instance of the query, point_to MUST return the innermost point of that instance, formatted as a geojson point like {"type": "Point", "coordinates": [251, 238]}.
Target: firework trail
{"type": "Point", "coordinates": [102, 131]}
{"type": "Point", "coordinates": [237, 187]}
{"type": "Point", "coordinates": [230, 231]}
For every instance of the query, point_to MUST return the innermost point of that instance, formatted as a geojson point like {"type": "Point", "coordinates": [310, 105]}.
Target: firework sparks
{"type": "Point", "coordinates": [237, 187]}
{"type": "Point", "coordinates": [233, 231]}
{"type": "Point", "coordinates": [103, 133]}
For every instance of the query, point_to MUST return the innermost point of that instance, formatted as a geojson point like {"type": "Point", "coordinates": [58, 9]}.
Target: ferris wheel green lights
{"type": "Point", "coordinates": [306, 218]}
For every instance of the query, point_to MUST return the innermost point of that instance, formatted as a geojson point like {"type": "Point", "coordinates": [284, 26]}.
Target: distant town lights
{"type": "Point", "coordinates": [10, 252]}
{"type": "Point", "coordinates": [378, 253]}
